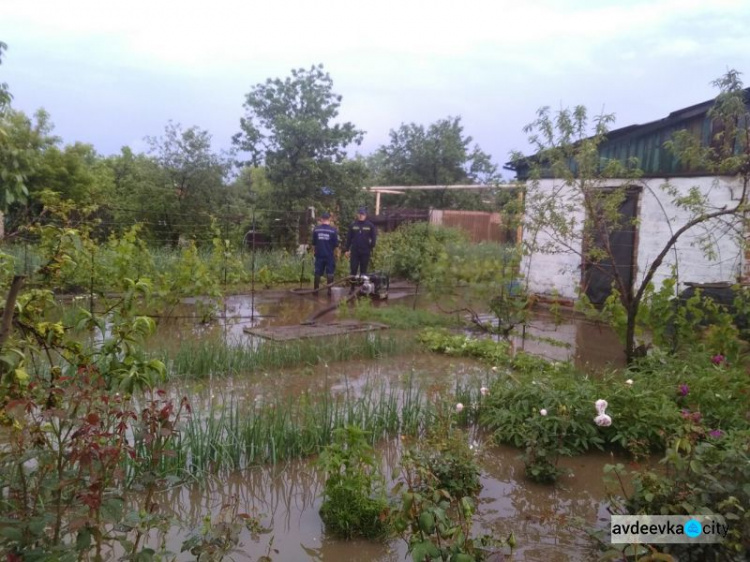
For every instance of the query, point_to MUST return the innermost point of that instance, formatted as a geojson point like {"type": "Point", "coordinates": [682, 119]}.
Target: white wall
{"type": "Point", "coordinates": [558, 268]}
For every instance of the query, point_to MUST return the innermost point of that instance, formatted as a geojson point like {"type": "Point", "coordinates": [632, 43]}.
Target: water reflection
{"type": "Point", "coordinates": [544, 519]}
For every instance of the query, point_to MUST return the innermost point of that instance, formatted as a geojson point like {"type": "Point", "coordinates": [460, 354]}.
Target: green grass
{"type": "Point", "coordinates": [236, 436]}
{"type": "Point", "coordinates": [239, 434]}
{"type": "Point", "coordinates": [215, 357]}
{"type": "Point", "coordinates": [405, 318]}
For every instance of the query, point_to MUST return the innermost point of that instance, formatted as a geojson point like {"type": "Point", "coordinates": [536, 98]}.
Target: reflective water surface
{"type": "Point", "coordinates": [547, 521]}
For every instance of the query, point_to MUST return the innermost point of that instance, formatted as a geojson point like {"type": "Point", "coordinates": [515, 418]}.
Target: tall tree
{"type": "Point", "coordinates": [440, 154]}
{"type": "Point", "coordinates": [290, 127]}
{"type": "Point", "coordinates": [16, 158]}
{"type": "Point", "coordinates": [194, 177]}
{"type": "Point", "coordinates": [175, 189]}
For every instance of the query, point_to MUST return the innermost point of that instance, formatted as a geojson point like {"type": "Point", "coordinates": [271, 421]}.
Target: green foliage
{"type": "Point", "coordinates": [77, 441]}
{"type": "Point", "coordinates": [676, 324]}
{"type": "Point", "coordinates": [216, 539]}
{"type": "Point", "coordinates": [216, 357]}
{"type": "Point", "coordinates": [409, 251]}
{"type": "Point", "coordinates": [647, 403]}
{"type": "Point", "coordinates": [354, 503]}
{"type": "Point", "coordinates": [402, 317]}
{"type": "Point", "coordinates": [446, 453]}
{"type": "Point", "coordinates": [289, 127]}
{"type": "Point", "coordinates": [481, 275]}
{"type": "Point", "coordinates": [22, 141]}
{"type": "Point", "coordinates": [437, 155]}
{"type": "Point", "coordinates": [438, 498]}
{"type": "Point", "coordinates": [701, 473]}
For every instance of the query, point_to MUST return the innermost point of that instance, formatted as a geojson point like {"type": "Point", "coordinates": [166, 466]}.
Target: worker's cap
{"type": "Point", "coordinates": [362, 211]}
{"type": "Point", "coordinates": [325, 215]}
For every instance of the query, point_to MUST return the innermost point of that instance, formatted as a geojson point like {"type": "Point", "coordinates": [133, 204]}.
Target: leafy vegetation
{"type": "Point", "coordinates": [354, 500]}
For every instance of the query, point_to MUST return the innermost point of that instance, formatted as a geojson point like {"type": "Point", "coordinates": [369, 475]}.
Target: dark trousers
{"type": "Point", "coordinates": [358, 260]}
{"type": "Point", "coordinates": [325, 265]}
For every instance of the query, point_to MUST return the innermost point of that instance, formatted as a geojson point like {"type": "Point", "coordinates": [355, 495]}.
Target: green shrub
{"type": "Point", "coordinates": [703, 471]}
{"type": "Point", "coordinates": [647, 403]}
{"type": "Point", "coordinates": [407, 252]}
{"type": "Point", "coordinates": [354, 503]}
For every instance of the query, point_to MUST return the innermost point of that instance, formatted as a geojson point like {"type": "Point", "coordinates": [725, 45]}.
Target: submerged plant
{"type": "Point", "coordinates": [354, 501]}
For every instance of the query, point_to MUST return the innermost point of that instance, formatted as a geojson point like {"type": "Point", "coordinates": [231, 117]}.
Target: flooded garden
{"type": "Point", "coordinates": [285, 494]}
{"type": "Point", "coordinates": [199, 421]}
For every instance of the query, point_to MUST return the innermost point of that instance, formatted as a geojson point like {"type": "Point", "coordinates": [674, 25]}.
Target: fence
{"type": "Point", "coordinates": [481, 226]}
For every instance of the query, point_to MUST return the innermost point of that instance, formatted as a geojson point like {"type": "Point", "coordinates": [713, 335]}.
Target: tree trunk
{"type": "Point", "coordinates": [630, 332]}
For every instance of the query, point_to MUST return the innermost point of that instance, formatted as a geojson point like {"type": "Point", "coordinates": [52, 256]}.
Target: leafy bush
{"type": "Point", "coordinates": [438, 487]}
{"type": "Point", "coordinates": [703, 471]}
{"type": "Point", "coordinates": [407, 252]}
{"type": "Point", "coordinates": [354, 503]}
{"type": "Point", "coordinates": [446, 453]}
{"type": "Point", "coordinates": [646, 403]}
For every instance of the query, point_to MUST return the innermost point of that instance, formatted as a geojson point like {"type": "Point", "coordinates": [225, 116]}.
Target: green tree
{"type": "Point", "coordinates": [440, 154]}
{"type": "Point", "coordinates": [568, 152]}
{"type": "Point", "coordinates": [290, 127]}
{"type": "Point", "coordinates": [24, 143]}
{"type": "Point", "coordinates": [16, 147]}
{"type": "Point", "coordinates": [186, 187]}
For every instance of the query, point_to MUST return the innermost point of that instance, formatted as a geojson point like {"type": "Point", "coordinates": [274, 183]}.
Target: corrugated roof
{"type": "Point", "coordinates": [646, 142]}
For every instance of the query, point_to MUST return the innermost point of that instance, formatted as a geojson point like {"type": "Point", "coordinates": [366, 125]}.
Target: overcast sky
{"type": "Point", "coordinates": [110, 73]}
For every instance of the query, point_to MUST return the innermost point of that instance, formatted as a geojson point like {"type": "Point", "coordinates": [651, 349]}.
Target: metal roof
{"type": "Point", "coordinates": [646, 142]}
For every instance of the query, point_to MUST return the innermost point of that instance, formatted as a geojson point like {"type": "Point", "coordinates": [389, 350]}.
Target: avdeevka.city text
{"type": "Point", "coordinates": [667, 528]}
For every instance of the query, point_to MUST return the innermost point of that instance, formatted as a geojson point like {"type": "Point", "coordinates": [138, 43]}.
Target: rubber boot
{"type": "Point", "coordinates": [329, 278]}
{"type": "Point", "coordinates": [316, 284]}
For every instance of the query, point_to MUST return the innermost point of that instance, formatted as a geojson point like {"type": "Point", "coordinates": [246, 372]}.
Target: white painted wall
{"type": "Point", "coordinates": [557, 269]}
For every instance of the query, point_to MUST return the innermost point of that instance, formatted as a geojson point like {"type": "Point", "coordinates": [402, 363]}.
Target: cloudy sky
{"type": "Point", "coordinates": [110, 73]}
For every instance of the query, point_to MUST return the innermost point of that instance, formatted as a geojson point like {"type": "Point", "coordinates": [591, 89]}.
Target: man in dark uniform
{"type": "Point", "coordinates": [325, 240]}
{"type": "Point", "coordinates": [360, 243]}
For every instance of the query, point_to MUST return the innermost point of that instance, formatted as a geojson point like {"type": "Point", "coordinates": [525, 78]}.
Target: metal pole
{"type": "Point", "coordinates": [252, 276]}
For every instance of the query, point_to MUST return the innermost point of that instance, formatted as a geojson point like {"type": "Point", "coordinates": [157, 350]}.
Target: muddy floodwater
{"type": "Point", "coordinates": [549, 522]}
{"type": "Point", "coordinates": [589, 345]}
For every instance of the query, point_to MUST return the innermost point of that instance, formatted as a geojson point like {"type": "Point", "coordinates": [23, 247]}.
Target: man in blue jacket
{"type": "Point", "coordinates": [360, 243]}
{"type": "Point", "coordinates": [325, 240]}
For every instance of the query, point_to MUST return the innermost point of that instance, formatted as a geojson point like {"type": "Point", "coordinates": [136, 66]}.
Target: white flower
{"type": "Point", "coordinates": [602, 420]}
{"type": "Point", "coordinates": [484, 391]}
{"type": "Point", "coordinates": [629, 382]}
{"type": "Point", "coordinates": [494, 369]}
{"type": "Point", "coordinates": [543, 412]}
{"type": "Point", "coordinates": [459, 408]}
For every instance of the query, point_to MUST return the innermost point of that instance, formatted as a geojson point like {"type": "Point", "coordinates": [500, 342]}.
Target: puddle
{"type": "Point", "coordinates": [432, 374]}
{"type": "Point", "coordinates": [288, 499]}
{"type": "Point", "coordinates": [589, 345]}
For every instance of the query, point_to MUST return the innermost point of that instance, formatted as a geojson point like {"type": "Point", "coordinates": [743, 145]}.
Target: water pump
{"type": "Point", "coordinates": [374, 285]}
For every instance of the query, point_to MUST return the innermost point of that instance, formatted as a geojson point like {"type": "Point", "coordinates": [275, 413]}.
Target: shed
{"type": "Point", "coordinates": [561, 270]}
